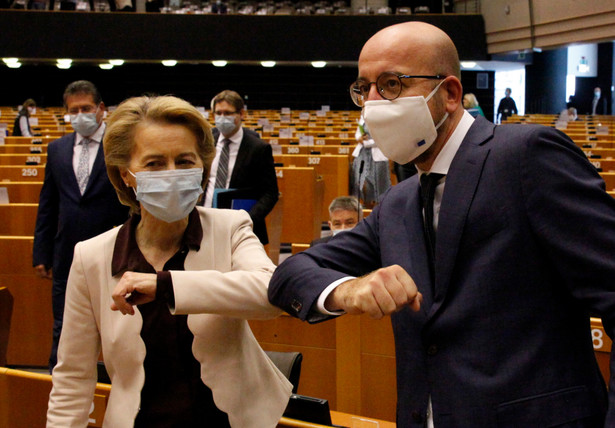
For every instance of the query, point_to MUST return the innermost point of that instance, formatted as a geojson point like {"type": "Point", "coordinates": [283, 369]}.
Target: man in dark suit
{"type": "Point", "coordinates": [77, 200]}
{"type": "Point", "coordinates": [507, 107]}
{"type": "Point", "coordinates": [344, 214]}
{"type": "Point", "coordinates": [491, 319]}
{"type": "Point", "coordinates": [243, 162]}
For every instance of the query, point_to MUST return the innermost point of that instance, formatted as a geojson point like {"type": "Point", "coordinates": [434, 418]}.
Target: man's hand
{"type": "Point", "coordinates": [379, 293]}
{"type": "Point", "coordinates": [133, 289]}
{"type": "Point", "coordinates": [43, 272]}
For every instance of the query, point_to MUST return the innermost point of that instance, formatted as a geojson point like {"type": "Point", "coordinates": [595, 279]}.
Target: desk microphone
{"type": "Point", "coordinates": [361, 165]}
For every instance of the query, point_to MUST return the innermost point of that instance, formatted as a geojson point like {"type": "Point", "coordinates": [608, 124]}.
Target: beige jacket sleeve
{"type": "Point", "coordinates": [236, 286]}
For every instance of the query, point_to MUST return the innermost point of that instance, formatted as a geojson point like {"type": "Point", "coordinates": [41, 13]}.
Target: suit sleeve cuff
{"type": "Point", "coordinates": [320, 303]}
{"type": "Point", "coordinates": [164, 288]}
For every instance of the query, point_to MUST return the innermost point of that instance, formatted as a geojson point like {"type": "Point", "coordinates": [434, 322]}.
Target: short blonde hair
{"type": "Point", "coordinates": [118, 142]}
{"type": "Point", "coordinates": [472, 99]}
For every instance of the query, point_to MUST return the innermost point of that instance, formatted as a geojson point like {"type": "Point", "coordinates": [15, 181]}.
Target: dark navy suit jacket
{"type": "Point", "coordinates": [65, 217]}
{"type": "Point", "coordinates": [525, 250]}
{"type": "Point", "coordinates": [254, 171]}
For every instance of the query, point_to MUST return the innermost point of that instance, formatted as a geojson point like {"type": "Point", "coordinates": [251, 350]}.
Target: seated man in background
{"type": "Point", "coordinates": [344, 214]}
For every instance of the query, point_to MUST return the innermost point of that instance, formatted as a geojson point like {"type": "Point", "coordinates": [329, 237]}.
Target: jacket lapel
{"type": "Point", "coordinates": [242, 155]}
{"type": "Point", "coordinates": [65, 157]}
{"type": "Point", "coordinates": [461, 184]}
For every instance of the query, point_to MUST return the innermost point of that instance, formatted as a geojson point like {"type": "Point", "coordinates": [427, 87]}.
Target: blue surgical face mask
{"type": "Point", "coordinates": [225, 124]}
{"type": "Point", "coordinates": [85, 123]}
{"type": "Point", "coordinates": [169, 195]}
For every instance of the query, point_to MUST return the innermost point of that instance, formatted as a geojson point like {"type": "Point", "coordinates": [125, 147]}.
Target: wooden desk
{"type": "Point", "coordinates": [339, 418]}
{"type": "Point", "coordinates": [29, 140]}
{"type": "Point", "coordinates": [23, 149]}
{"type": "Point", "coordinates": [302, 191]}
{"type": "Point", "coordinates": [18, 219]}
{"type": "Point", "coordinates": [602, 347]}
{"type": "Point", "coordinates": [24, 397]}
{"type": "Point", "coordinates": [32, 321]}
{"type": "Point", "coordinates": [23, 159]}
{"type": "Point", "coordinates": [22, 173]}
{"type": "Point", "coordinates": [334, 170]}
{"type": "Point", "coordinates": [349, 361]}
{"type": "Point", "coordinates": [23, 191]}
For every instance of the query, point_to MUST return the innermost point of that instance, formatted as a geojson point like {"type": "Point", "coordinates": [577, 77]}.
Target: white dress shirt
{"type": "Point", "coordinates": [213, 171]}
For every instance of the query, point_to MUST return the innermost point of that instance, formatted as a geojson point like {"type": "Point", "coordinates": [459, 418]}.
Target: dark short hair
{"type": "Point", "coordinates": [29, 103]}
{"type": "Point", "coordinates": [82, 87]}
{"type": "Point", "coordinates": [231, 97]}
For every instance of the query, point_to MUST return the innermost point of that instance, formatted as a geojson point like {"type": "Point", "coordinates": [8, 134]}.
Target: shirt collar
{"type": "Point", "coordinates": [235, 138]}
{"type": "Point", "coordinates": [96, 137]}
{"type": "Point", "coordinates": [126, 253]}
{"type": "Point", "coordinates": [445, 158]}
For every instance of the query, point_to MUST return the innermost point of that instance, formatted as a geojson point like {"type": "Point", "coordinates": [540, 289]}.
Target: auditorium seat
{"type": "Point", "coordinates": [289, 363]}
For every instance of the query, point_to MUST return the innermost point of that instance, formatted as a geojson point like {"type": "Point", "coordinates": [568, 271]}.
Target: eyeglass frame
{"type": "Point", "coordinates": [380, 91]}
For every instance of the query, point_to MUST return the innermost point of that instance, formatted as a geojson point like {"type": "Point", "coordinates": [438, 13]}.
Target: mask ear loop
{"type": "Point", "coordinates": [431, 94]}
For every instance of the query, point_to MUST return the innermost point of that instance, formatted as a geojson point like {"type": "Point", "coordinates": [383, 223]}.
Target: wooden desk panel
{"type": "Point", "coordinates": [302, 191]}
{"type": "Point", "coordinates": [341, 419]}
{"type": "Point", "coordinates": [23, 159]}
{"type": "Point", "coordinates": [32, 321]}
{"type": "Point", "coordinates": [23, 191]}
{"type": "Point", "coordinates": [316, 342]}
{"type": "Point", "coordinates": [22, 173]}
{"type": "Point", "coordinates": [602, 347]}
{"type": "Point", "coordinates": [18, 219]}
{"type": "Point", "coordinates": [24, 397]}
{"type": "Point", "coordinates": [334, 170]}
{"type": "Point", "coordinates": [29, 140]}
{"type": "Point", "coordinates": [609, 180]}
{"type": "Point", "coordinates": [23, 149]}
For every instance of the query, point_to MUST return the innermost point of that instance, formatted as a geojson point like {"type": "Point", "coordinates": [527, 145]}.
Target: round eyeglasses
{"type": "Point", "coordinates": [388, 84]}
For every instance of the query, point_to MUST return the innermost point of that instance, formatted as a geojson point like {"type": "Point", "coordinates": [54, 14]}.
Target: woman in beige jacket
{"type": "Point", "coordinates": [186, 357]}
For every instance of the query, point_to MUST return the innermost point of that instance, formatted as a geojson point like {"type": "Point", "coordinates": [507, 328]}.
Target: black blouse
{"type": "Point", "coordinates": [173, 394]}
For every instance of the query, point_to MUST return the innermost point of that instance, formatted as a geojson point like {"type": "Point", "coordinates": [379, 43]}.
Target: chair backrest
{"type": "Point", "coordinates": [289, 363]}
{"type": "Point", "coordinates": [6, 311]}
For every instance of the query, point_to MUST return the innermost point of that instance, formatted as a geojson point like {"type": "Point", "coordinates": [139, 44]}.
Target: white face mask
{"type": "Point", "coordinates": [31, 110]}
{"type": "Point", "coordinates": [225, 124]}
{"type": "Point", "coordinates": [402, 128]}
{"type": "Point", "coordinates": [169, 195]}
{"type": "Point", "coordinates": [85, 123]}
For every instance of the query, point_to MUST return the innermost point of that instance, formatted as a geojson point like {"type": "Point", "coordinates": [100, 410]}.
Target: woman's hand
{"type": "Point", "coordinates": [133, 289]}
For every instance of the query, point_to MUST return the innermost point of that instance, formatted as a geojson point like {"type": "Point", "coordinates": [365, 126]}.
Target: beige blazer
{"type": "Point", "coordinates": [225, 283]}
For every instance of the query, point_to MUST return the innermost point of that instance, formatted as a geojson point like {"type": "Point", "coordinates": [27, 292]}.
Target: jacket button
{"type": "Point", "coordinates": [432, 350]}
{"type": "Point", "coordinates": [417, 417]}
{"type": "Point", "coordinates": [296, 305]}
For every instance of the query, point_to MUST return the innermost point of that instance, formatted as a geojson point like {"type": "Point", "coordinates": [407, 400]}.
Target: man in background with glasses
{"type": "Point", "coordinates": [243, 162]}
{"type": "Point", "coordinates": [491, 319]}
{"type": "Point", "coordinates": [77, 200]}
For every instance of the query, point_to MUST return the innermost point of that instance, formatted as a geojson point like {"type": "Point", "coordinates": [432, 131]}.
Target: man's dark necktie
{"type": "Point", "coordinates": [429, 182]}
{"type": "Point", "coordinates": [223, 166]}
